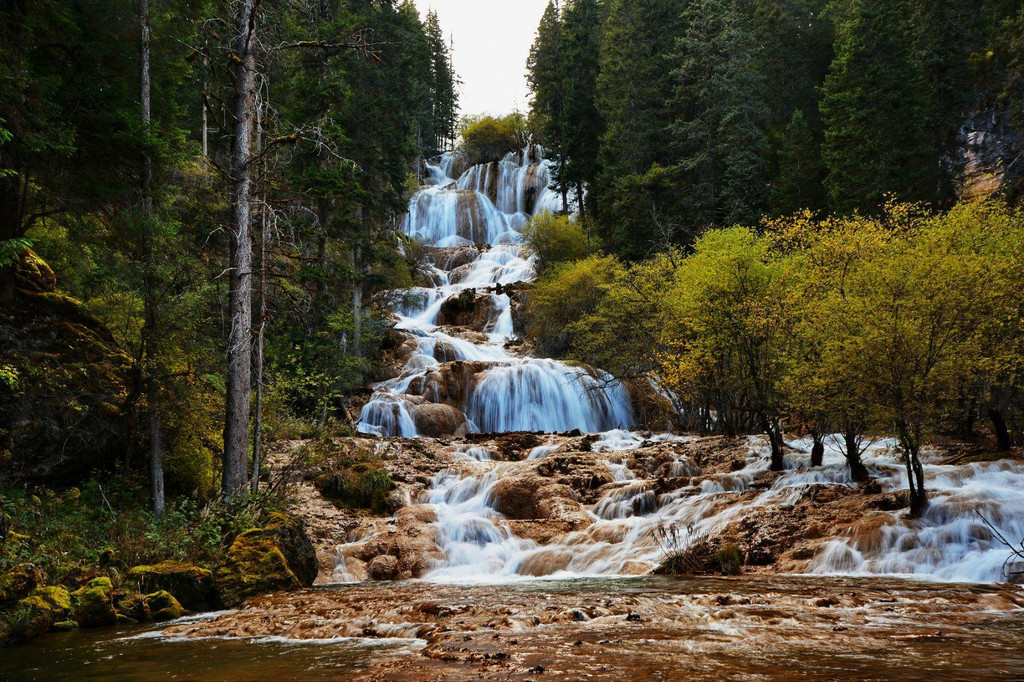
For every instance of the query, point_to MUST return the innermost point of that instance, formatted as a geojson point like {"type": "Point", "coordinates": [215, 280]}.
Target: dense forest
{"type": "Point", "coordinates": [705, 306]}
{"type": "Point", "coordinates": [860, 297]}
{"type": "Point", "coordinates": [679, 116]}
{"type": "Point", "coordinates": [131, 186]}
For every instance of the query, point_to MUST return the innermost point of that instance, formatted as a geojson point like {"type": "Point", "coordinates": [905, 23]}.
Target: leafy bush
{"type": "Point", "coordinates": [354, 478]}
{"type": "Point", "coordinates": [555, 239]}
{"type": "Point", "coordinates": [564, 295]}
{"type": "Point", "coordinates": [106, 523]}
{"type": "Point", "coordinates": [487, 138]}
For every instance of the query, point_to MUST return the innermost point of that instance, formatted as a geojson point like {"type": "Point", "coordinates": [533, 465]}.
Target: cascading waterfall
{"type": "Point", "coordinates": [480, 214]}
{"type": "Point", "coordinates": [512, 393]}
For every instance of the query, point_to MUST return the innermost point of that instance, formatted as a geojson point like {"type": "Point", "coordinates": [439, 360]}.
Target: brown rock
{"type": "Point", "coordinates": [439, 421]}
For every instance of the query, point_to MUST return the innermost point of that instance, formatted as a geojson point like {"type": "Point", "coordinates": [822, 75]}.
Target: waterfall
{"type": "Point", "coordinates": [483, 212]}
{"type": "Point", "coordinates": [459, 325]}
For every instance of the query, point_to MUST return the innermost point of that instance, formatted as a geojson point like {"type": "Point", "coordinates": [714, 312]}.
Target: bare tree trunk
{"type": "Point", "coordinates": [817, 451]}
{"type": "Point", "coordinates": [150, 334]}
{"type": "Point", "coordinates": [261, 311]}
{"type": "Point", "coordinates": [858, 472]}
{"type": "Point", "coordinates": [357, 304]}
{"type": "Point", "coordinates": [205, 133]}
{"type": "Point", "coordinates": [257, 434]}
{"type": "Point", "coordinates": [1001, 431]}
{"type": "Point", "coordinates": [239, 349]}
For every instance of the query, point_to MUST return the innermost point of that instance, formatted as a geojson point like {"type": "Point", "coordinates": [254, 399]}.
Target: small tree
{"type": "Point", "coordinates": [730, 306]}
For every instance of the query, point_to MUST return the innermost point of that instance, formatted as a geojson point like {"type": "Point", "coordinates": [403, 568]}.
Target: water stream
{"type": "Point", "coordinates": [472, 222]}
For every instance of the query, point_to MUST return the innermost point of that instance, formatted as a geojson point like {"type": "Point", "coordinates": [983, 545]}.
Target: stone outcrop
{"type": "Point", "coordinates": [469, 309]}
{"type": "Point", "coordinates": [437, 420]}
{"type": "Point", "coordinates": [193, 586]}
{"type": "Point", "coordinates": [64, 402]}
{"type": "Point", "coordinates": [407, 549]}
{"type": "Point", "coordinates": [277, 557]}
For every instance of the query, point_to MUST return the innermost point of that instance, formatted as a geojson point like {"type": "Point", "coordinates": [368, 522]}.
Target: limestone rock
{"type": "Point", "coordinates": [439, 421]}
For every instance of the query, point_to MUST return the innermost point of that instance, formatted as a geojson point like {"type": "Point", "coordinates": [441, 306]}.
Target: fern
{"type": "Point", "coordinates": [11, 250]}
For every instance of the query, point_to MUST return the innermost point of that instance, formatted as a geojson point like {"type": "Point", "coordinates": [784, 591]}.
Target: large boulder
{"type": "Point", "coordinates": [279, 556]}
{"type": "Point", "coordinates": [467, 309]}
{"type": "Point", "coordinates": [63, 405]}
{"type": "Point", "coordinates": [163, 606]}
{"type": "Point", "coordinates": [94, 603]}
{"type": "Point", "coordinates": [47, 608]}
{"type": "Point", "coordinates": [254, 565]}
{"type": "Point", "coordinates": [439, 421]}
{"type": "Point", "coordinates": [530, 497]}
{"type": "Point", "coordinates": [193, 586]}
{"type": "Point", "coordinates": [290, 534]}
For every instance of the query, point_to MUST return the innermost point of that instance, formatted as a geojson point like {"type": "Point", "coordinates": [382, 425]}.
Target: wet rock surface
{"type": "Point", "coordinates": [775, 627]}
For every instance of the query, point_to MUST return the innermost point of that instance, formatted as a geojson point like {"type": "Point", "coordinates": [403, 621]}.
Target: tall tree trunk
{"type": "Point", "coordinates": [774, 431]}
{"type": "Point", "coordinates": [239, 348]}
{"type": "Point", "coordinates": [257, 430]}
{"type": "Point", "coordinates": [357, 303]}
{"type": "Point", "coordinates": [817, 451]}
{"type": "Point", "coordinates": [858, 472]}
{"type": "Point", "coordinates": [150, 333]}
{"type": "Point", "coordinates": [910, 439]}
{"type": "Point", "coordinates": [1001, 431]}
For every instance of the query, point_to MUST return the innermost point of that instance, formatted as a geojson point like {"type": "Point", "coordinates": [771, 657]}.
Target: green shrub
{"type": "Point", "coordinates": [564, 295]}
{"type": "Point", "coordinates": [355, 478]}
{"type": "Point", "coordinates": [694, 553]}
{"type": "Point", "coordinates": [555, 239]}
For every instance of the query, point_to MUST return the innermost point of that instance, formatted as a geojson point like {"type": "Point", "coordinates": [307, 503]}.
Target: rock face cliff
{"type": "Point", "coordinates": [64, 381]}
{"type": "Point", "coordinates": [992, 157]}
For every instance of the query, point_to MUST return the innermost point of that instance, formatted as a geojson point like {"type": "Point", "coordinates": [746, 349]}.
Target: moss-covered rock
{"type": "Point", "coordinates": [35, 615]}
{"type": "Point", "coordinates": [52, 599]}
{"type": "Point", "coordinates": [94, 604]}
{"type": "Point", "coordinates": [18, 583]}
{"type": "Point", "coordinates": [65, 415]}
{"type": "Point", "coordinates": [193, 586]}
{"type": "Point", "coordinates": [254, 565]}
{"type": "Point", "coordinates": [290, 534]}
{"type": "Point", "coordinates": [64, 626]}
{"type": "Point", "coordinates": [164, 606]}
{"type": "Point", "coordinates": [133, 606]}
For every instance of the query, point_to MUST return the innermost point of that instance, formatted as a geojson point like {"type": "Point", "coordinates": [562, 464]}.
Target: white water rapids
{"type": "Point", "coordinates": [485, 208]}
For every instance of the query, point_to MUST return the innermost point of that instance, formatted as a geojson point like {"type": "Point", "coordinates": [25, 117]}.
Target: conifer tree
{"type": "Point", "coordinates": [545, 74]}
{"type": "Point", "coordinates": [581, 123]}
{"type": "Point", "coordinates": [720, 136]}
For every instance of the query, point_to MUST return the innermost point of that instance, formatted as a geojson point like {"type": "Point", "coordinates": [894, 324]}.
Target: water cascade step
{"type": "Point", "coordinates": [461, 375]}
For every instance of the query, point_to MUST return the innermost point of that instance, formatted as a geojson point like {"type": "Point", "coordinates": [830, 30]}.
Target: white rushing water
{"type": "Point", "coordinates": [949, 543]}
{"type": "Point", "coordinates": [475, 219]}
{"type": "Point", "coordinates": [483, 212]}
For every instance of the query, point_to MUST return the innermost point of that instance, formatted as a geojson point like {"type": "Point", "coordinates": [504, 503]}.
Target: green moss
{"type": "Point", "coordinates": [64, 626]}
{"type": "Point", "coordinates": [255, 565]}
{"type": "Point", "coordinates": [35, 615]}
{"type": "Point", "coordinates": [52, 599]}
{"type": "Point", "coordinates": [193, 586]}
{"type": "Point", "coordinates": [164, 606]}
{"type": "Point", "coordinates": [94, 604]}
{"type": "Point", "coordinates": [18, 583]}
{"type": "Point", "coordinates": [134, 606]}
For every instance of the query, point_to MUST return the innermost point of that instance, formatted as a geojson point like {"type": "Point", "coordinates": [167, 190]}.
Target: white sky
{"type": "Point", "coordinates": [492, 42]}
